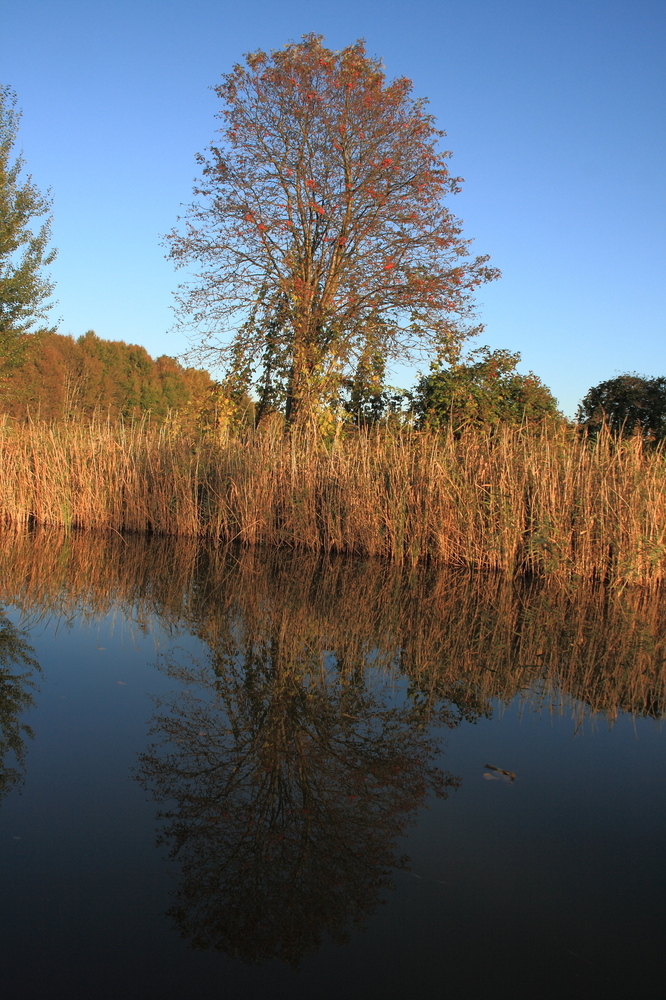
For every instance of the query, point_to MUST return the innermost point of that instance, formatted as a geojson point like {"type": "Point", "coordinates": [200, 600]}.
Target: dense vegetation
{"type": "Point", "coordinates": [473, 468]}
{"type": "Point", "coordinates": [59, 378]}
{"type": "Point", "coordinates": [543, 500]}
{"type": "Point", "coordinates": [483, 389]}
{"type": "Point", "coordinates": [628, 404]}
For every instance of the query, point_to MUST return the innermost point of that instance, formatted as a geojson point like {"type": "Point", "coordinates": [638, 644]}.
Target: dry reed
{"type": "Point", "coordinates": [544, 502]}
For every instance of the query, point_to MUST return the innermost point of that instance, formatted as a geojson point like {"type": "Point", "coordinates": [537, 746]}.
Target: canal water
{"type": "Point", "coordinates": [238, 774]}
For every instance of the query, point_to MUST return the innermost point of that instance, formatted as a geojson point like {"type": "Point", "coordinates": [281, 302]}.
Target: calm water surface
{"type": "Point", "coordinates": [258, 775]}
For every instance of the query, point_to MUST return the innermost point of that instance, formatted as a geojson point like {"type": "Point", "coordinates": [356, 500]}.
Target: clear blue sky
{"type": "Point", "coordinates": [554, 110]}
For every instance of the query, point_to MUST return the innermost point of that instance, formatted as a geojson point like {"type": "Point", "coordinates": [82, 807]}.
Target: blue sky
{"type": "Point", "coordinates": [554, 112]}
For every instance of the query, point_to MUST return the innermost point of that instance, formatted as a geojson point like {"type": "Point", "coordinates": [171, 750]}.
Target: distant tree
{"type": "Point", "coordinates": [482, 389]}
{"type": "Point", "coordinates": [320, 235]}
{"type": "Point", "coordinates": [628, 404]}
{"type": "Point", "coordinates": [58, 378]}
{"type": "Point", "coordinates": [24, 250]}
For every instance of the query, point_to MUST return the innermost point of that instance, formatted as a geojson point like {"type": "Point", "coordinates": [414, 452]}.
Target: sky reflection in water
{"type": "Point", "coordinates": [307, 743]}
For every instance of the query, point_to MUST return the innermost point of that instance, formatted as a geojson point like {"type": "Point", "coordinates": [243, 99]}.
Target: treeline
{"type": "Point", "coordinates": [60, 378]}
{"type": "Point", "coordinates": [55, 377]}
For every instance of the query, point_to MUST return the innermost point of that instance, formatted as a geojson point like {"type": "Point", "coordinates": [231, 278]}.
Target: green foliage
{"type": "Point", "coordinates": [24, 251]}
{"type": "Point", "coordinates": [628, 404]}
{"type": "Point", "coordinates": [60, 378]}
{"type": "Point", "coordinates": [367, 399]}
{"type": "Point", "coordinates": [482, 389]}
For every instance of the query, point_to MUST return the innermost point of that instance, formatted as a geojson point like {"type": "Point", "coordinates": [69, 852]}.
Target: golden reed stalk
{"type": "Point", "coordinates": [544, 502]}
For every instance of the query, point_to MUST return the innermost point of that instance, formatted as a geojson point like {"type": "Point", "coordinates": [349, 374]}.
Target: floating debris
{"type": "Point", "coordinates": [500, 774]}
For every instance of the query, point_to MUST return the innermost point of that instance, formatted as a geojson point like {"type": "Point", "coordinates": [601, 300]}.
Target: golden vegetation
{"type": "Point", "coordinates": [461, 639]}
{"type": "Point", "coordinates": [55, 377]}
{"type": "Point", "coordinates": [543, 502]}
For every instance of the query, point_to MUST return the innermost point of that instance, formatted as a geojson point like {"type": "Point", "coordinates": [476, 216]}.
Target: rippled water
{"type": "Point", "coordinates": [259, 774]}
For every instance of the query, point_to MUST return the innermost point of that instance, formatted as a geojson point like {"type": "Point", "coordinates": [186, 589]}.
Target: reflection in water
{"type": "Point", "coordinates": [292, 788]}
{"type": "Point", "coordinates": [456, 637]}
{"type": "Point", "coordinates": [292, 761]}
{"type": "Point", "coordinates": [17, 669]}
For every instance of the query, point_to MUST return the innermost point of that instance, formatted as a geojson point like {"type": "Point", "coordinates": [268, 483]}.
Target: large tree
{"type": "Point", "coordinates": [319, 234]}
{"type": "Point", "coordinates": [24, 247]}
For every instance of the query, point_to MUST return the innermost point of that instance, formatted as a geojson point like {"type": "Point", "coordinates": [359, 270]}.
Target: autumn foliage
{"type": "Point", "coordinates": [319, 234]}
{"type": "Point", "coordinates": [60, 378]}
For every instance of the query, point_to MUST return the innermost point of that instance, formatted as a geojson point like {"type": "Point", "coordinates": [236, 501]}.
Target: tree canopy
{"type": "Point", "coordinates": [482, 389]}
{"type": "Point", "coordinates": [319, 235]}
{"type": "Point", "coordinates": [627, 404]}
{"type": "Point", "coordinates": [24, 250]}
{"type": "Point", "coordinates": [58, 378]}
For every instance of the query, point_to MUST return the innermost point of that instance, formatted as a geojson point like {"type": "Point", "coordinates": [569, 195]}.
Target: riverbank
{"type": "Point", "coordinates": [543, 502]}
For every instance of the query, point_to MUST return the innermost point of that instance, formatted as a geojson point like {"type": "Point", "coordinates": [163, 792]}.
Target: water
{"type": "Point", "coordinates": [252, 774]}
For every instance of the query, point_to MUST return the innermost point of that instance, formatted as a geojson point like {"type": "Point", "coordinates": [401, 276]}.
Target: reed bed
{"type": "Point", "coordinates": [543, 502]}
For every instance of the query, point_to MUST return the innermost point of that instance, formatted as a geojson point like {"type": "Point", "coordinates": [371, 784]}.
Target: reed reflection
{"type": "Point", "coordinates": [18, 667]}
{"type": "Point", "coordinates": [458, 637]}
{"type": "Point", "coordinates": [461, 640]}
{"type": "Point", "coordinates": [293, 779]}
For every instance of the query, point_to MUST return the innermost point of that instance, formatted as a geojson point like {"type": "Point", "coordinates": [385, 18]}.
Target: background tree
{"type": "Point", "coordinates": [24, 252]}
{"type": "Point", "coordinates": [59, 378]}
{"type": "Point", "coordinates": [320, 231]}
{"type": "Point", "coordinates": [629, 404]}
{"type": "Point", "coordinates": [482, 389]}
{"type": "Point", "coordinates": [367, 399]}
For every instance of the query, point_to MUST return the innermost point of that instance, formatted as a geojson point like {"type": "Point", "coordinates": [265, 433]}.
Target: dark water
{"type": "Point", "coordinates": [254, 775]}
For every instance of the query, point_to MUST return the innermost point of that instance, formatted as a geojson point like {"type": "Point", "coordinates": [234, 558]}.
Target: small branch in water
{"type": "Point", "coordinates": [500, 773]}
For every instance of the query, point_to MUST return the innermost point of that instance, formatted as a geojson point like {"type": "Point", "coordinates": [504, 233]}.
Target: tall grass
{"type": "Point", "coordinates": [546, 502]}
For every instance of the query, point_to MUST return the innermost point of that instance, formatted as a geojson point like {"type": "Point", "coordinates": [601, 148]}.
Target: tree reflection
{"type": "Point", "coordinates": [293, 782]}
{"type": "Point", "coordinates": [15, 698]}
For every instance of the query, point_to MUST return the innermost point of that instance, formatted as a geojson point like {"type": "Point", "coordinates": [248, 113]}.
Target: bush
{"type": "Point", "coordinates": [484, 389]}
